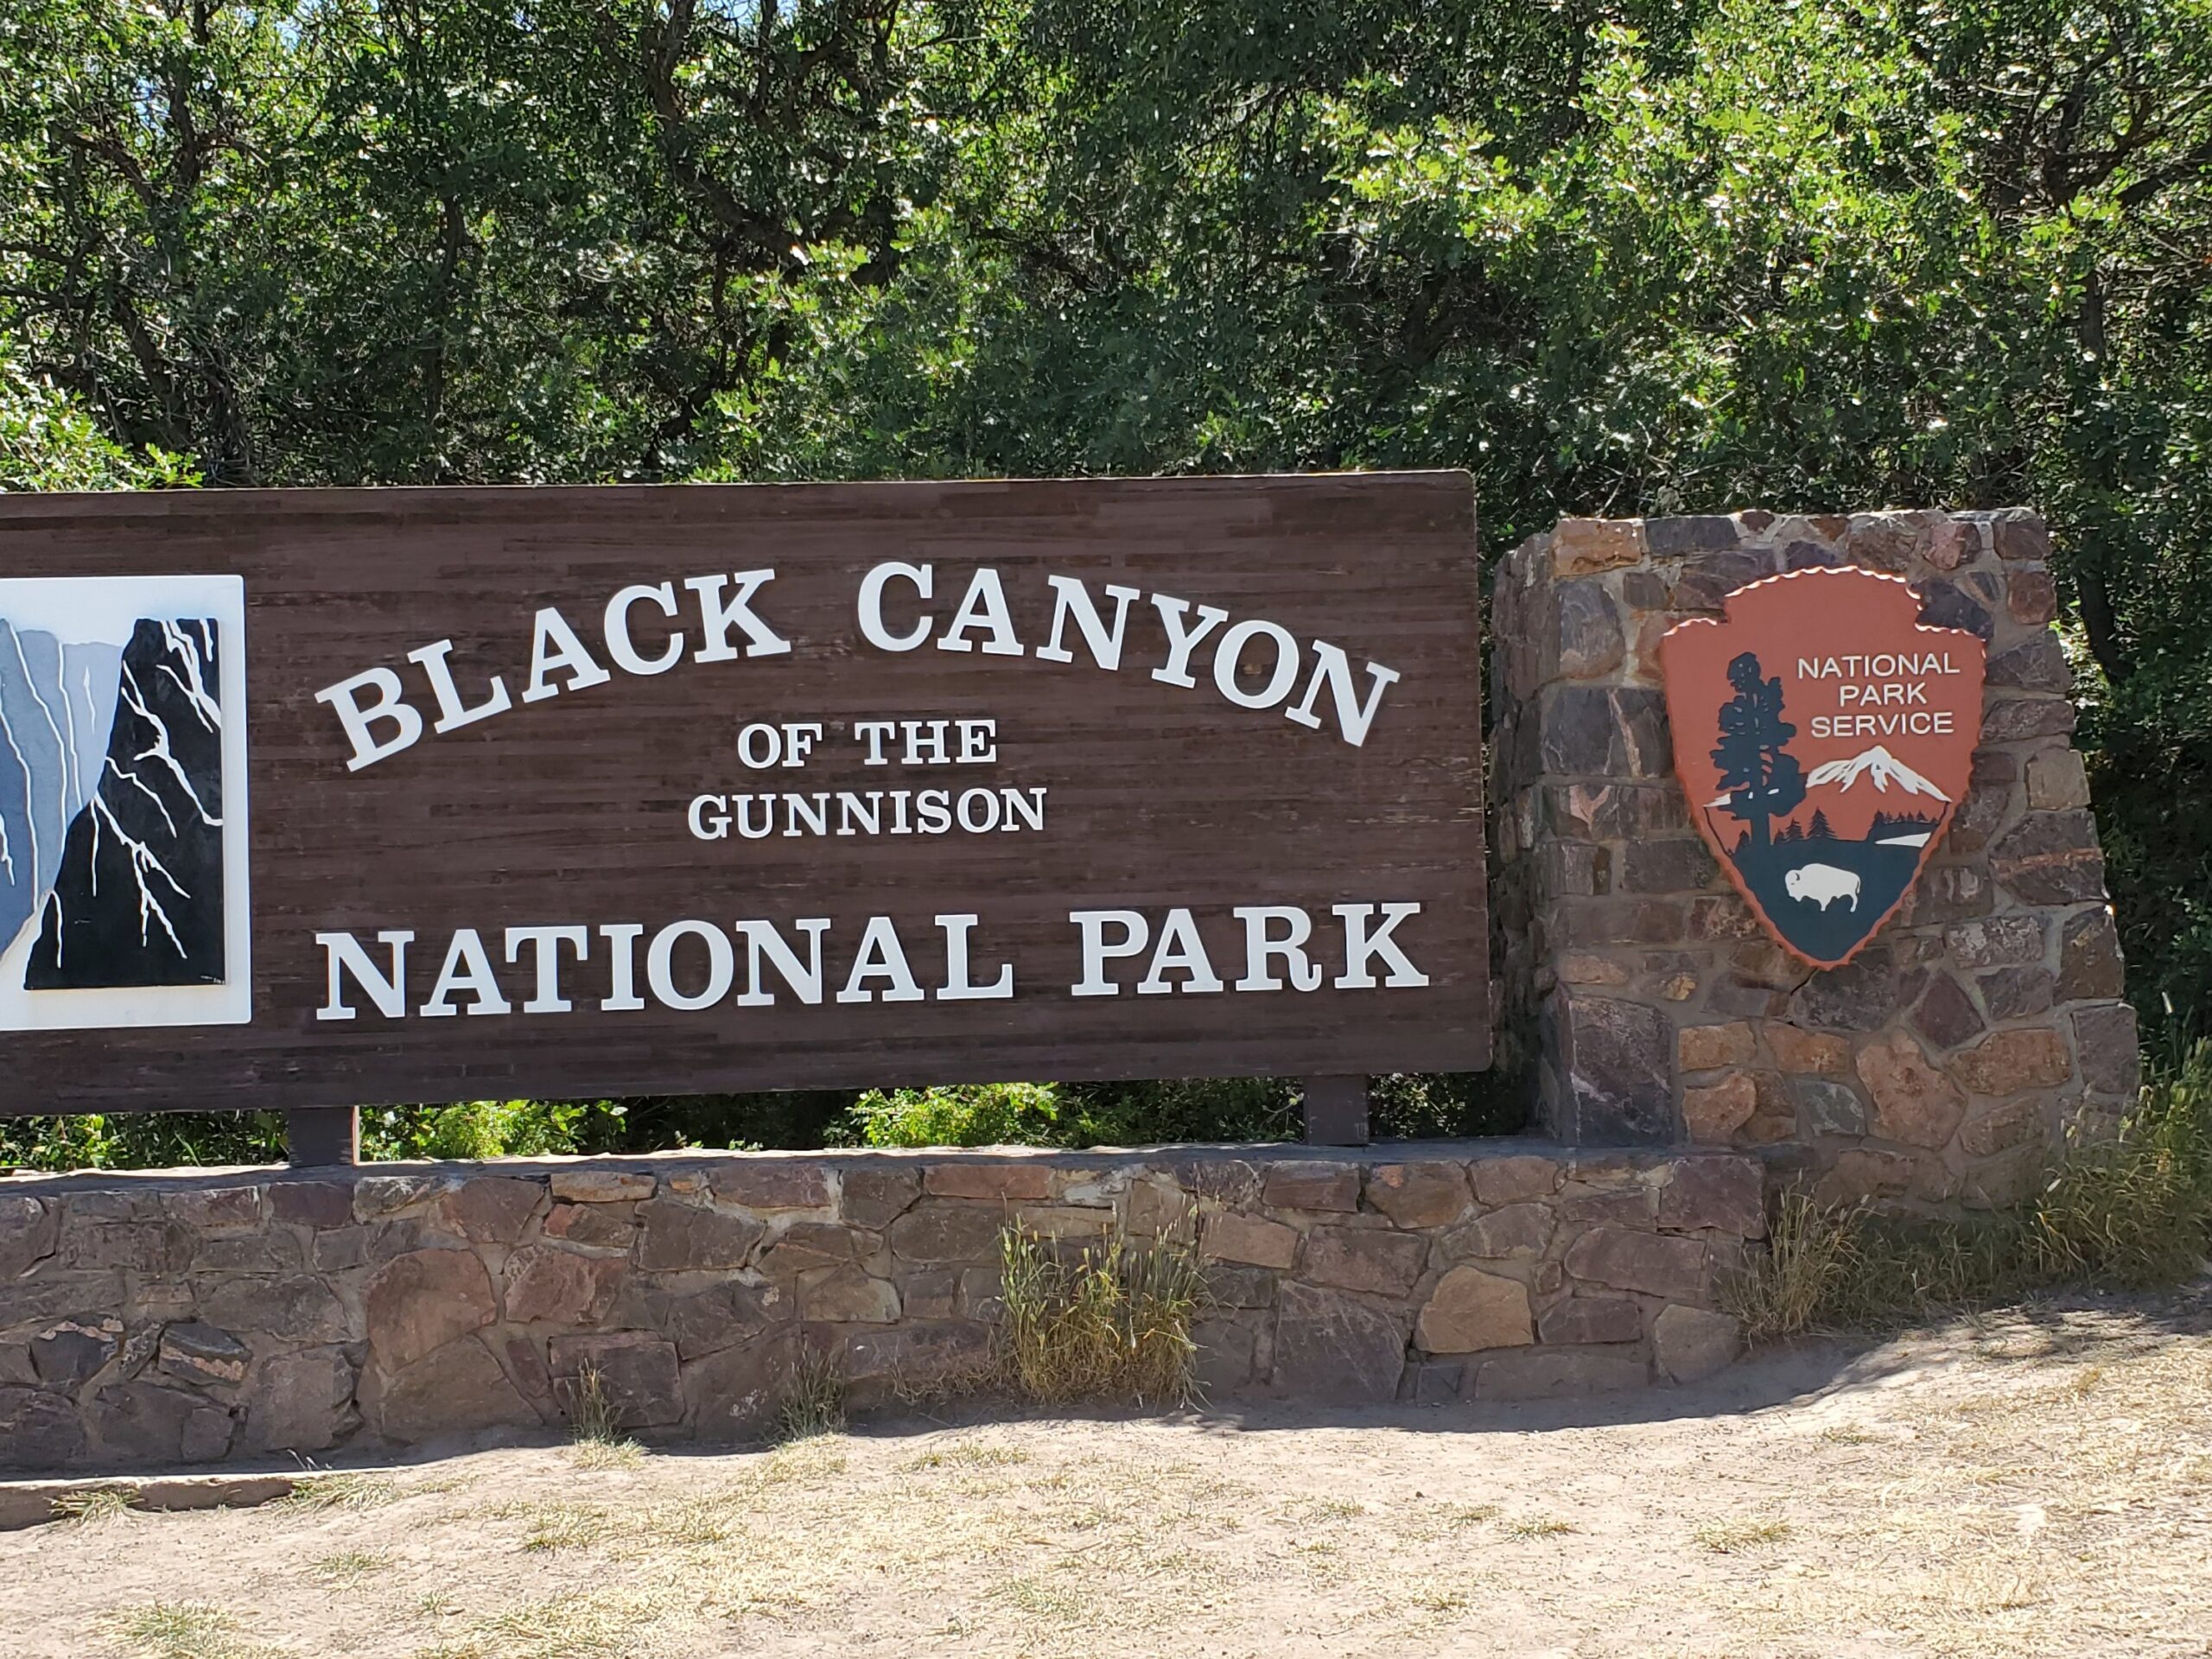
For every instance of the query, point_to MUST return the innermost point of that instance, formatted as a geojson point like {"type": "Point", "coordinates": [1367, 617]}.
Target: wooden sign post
{"type": "Point", "coordinates": [383, 795]}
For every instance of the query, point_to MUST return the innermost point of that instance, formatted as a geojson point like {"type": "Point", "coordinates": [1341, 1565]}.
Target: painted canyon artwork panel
{"type": "Point", "coordinates": [119, 732]}
{"type": "Point", "coordinates": [1825, 739]}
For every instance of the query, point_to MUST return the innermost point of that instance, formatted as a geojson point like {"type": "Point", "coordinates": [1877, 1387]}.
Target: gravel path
{"type": "Point", "coordinates": [2034, 1483]}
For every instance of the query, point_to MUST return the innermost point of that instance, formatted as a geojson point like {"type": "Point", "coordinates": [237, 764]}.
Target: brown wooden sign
{"type": "Point", "coordinates": [1825, 740]}
{"type": "Point", "coordinates": [353, 796]}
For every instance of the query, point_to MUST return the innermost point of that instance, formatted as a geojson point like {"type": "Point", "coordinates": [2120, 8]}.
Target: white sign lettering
{"type": "Point", "coordinates": [1256, 663]}
{"type": "Point", "coordinates": [693, 966]}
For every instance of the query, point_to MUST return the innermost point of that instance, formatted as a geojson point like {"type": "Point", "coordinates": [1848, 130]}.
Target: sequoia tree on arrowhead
{"type": "Point", "coordinates": [1763, 778]}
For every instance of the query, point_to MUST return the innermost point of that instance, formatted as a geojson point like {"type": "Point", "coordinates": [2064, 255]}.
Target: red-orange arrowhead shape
{"type": "Point", "coordinates": [1825, 740]}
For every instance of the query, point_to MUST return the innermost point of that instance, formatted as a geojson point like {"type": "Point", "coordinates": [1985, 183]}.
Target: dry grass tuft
{"type": "Point", "coordinates": [1537, 1526]}
{"type": "Point", "coordinates": [1330, 1509]}
{"type": "Point", "coordinates": [1438, 1598]}
{"type": "Point", "coordinates": [969, 1455]}
{"type": "Point", "coordinates": [694, 1521]}
{"type": "Point", "coordinates": [180, 1629]}
{"type": "Point", "coordinates": [1733, 1537]}
{"type": "Point", "coordinates": [1036, 1596]}
{"type": "Point", "coordinates": [1851, 1434]}
{"type": "Point", "coordinates": [99, 1506]}
{"type": "Point", "coordinates": [804, 1463]}
{"type": "Point", "coordinates": [350, 1566]}
{"type": "Point", "coordinates": [1790, 1289]}
{"type": "Point", "coordinates": [341, 1491]}
{"type": "Point", "coordinates": [1111, 1324]}
{"type": "Point", "coordinates": [566, 1525]}
{"type": "Point", "coordinates": [2130, 1214]}
{"type": "Point", "coordinates": [597, 1455]}
{"type": "Point", "coordinates": [813, 1401]}
{"type": "Point", "coordinates": [578, 1625]}
{"type": "Point", "coordinates": [1467, 1514]}
{"type": "Point", "coordinates": [595, 1421]}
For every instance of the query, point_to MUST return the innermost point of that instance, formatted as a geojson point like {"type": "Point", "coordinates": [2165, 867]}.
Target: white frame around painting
{"type": "Point", "coordinates": [105, 608]}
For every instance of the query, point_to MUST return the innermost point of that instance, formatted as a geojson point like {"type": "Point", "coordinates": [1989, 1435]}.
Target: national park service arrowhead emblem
{"type": "Point", "coordinates": [1825, 739]}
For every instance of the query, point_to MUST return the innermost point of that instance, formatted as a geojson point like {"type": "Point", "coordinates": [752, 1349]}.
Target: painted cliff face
{"type": "Point", "coordinates": [1825, 740]}
{"type": "Point", "coordinates": [110, 805]}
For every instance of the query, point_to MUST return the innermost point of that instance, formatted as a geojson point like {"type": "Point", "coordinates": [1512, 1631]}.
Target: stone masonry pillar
{"type": "Point", "coordinates": [1641, 996]}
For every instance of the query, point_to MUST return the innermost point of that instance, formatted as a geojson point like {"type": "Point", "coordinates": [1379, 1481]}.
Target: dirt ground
{"type": "Point", "coordinates": [2034, 1483]}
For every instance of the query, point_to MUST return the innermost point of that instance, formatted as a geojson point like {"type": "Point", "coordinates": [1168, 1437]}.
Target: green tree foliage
{"type": "Point", "coordinates": [448, 240]}
{"type": "Point", "coordinates": [1614, 256]}
{"type": "Point", "coordinates": [493, 1128]}
{"type": "Point", "coordinates": [141, 1141]}
{"type": "Point", "coordinates": [990, 1115]}
{"type": "Point", "coordinates": [1161, 1113]}
{"type": "Point", "coordinates": [48, 443]}
{"type": "Point", "coordinates": [1824, 254]}
{"type": "Point", "coordinates": [475, 1128]}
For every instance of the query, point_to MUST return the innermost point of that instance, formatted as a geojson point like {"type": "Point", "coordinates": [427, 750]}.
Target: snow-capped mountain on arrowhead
{"type": "Point", "coordinates": [1878, 766]}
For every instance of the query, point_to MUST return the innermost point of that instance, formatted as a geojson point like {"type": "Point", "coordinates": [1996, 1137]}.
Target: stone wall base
{"type": "Point", "coordinates": [156, 1319]}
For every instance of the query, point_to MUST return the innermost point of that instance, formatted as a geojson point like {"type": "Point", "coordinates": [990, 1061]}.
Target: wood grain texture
{"type": "Point", "coordinates": [572, 810]}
